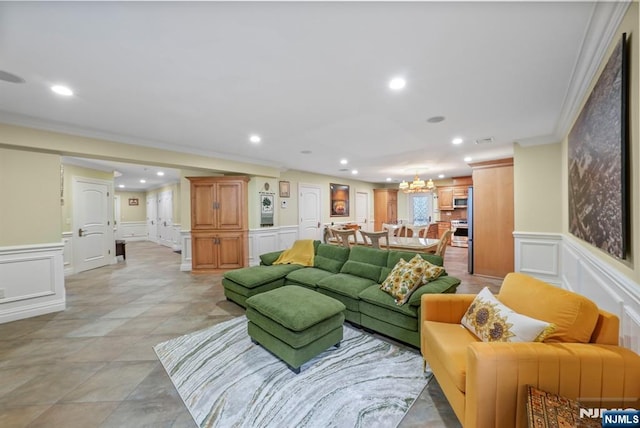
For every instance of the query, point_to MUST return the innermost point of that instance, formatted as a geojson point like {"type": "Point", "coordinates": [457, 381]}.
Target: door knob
{"type": "Point", "coordinates": [80, 232]}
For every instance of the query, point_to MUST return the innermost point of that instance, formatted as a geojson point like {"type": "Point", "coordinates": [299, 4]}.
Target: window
{"type": "Point", "coordinates": [420, 207]}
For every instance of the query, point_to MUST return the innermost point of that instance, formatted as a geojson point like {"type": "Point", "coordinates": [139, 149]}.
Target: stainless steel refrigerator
{"type": "Point", "coordinates": [471, 227]}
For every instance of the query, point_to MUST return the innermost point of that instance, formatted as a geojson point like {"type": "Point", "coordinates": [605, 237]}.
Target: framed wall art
{"type": "Point", "coordinates": [598, 151]}
{"type": "Point", "coordinates": [339, 200]}
{"type": "Point", "coordinates": [285, 191]}
{"type": "Point", "coordinates": [133, 202]}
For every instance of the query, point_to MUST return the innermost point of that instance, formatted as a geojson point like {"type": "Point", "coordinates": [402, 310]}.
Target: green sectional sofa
{"type": "Point", "coordinates": [351, 276]}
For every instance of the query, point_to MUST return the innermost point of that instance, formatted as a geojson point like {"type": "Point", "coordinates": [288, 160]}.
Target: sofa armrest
{"type": "Point", "coordinates": [449, 308]}
{"type": "Point", "coordinates": [498, 373]}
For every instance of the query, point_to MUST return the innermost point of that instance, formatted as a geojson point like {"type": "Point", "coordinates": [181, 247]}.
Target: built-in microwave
{"type": "Point", "coordinates": [460, 202]}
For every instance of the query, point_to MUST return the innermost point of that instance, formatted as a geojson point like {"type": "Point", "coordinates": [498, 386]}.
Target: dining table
{"type": "Point", "coordinates": [413, 243]}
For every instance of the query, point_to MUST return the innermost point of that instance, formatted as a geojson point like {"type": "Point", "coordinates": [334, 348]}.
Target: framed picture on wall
{"type": "Point", "coordinates": [339, 200]}
{"type": "Point", "coordinates": [133, 201]}
{"type": "Point", "coordinates": [285, 191]}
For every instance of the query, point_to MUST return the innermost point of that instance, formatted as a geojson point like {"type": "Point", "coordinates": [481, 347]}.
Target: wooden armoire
{"type": "Point", "coordinates": [493, 218]}
{"type": "Point", "coordinates": [385, 207]}
{"type": "Point", "coordinates": [219, 223]}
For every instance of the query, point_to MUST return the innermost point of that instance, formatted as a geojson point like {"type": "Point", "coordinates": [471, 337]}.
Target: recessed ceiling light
{"type": "Point", "coordinates": [62, 90]}
{"type": "Point", "coordinates": [343, 161]}
{"type": "Point", "coordinates": [388, 178]}
{"type": "Point", "coordinates": [143, 181]}
{"type": "Point", "coordinates": [160, 173]}
{"type": "Point", "coordinates": [441, 176]}
{"type": "Point", "coordinates": [468, 159]}
{"type": "Point", "coordinates": [457, 140]}
{"type": "Point", "coordinates": [255, 139]}
{"type": "Point", "coordinates": [354, 172]}
{"type": "Point", "coordinates": [121, 186]}
{"type": "Point", "coordinates": [435, 119]}
{"type": "Point", "coordinates": [397, 83]}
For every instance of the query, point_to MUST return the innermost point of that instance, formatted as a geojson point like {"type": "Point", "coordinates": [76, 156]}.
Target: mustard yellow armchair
{"type": "Point", "coordinates": [485, 383]}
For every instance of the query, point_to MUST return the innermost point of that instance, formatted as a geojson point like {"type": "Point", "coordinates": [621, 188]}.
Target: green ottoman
{"type": "Point", "coordinates": [295, 323]}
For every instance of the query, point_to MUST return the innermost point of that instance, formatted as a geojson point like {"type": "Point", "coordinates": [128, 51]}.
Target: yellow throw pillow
{"type": "Point", "coordinates": [407, 277]}
{"type": "Point", "coordinates": [492, 321]}
{"type": "Point", "coordinates": [402, 279]}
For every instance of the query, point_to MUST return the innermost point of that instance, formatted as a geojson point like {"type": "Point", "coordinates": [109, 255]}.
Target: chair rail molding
{"type": "Point", "coordinates": [564, 261]}
{"type": "Point", "coordinates": [32, 281]}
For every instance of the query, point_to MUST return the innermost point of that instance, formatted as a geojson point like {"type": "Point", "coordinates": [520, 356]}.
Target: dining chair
{"type": "Point", "coordinates": [343, 236]}
{"type": "Point", "coordinates": [432, 231]}
{"type": "Point", "coordinates": [374, 238]}
{"type": "Point", "coordinates": [444, 243]}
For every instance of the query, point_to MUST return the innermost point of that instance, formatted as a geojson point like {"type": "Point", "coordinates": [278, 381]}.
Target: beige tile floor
{"type": "Point", "coordinates": [93, 364]}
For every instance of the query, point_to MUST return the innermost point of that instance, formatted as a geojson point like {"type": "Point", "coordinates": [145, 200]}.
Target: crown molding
{"type": "Point", "coordinates": [603, 27]}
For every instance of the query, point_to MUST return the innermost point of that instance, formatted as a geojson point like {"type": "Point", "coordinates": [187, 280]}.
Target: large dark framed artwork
{"type": "Point", "coordinates": [598, 161]}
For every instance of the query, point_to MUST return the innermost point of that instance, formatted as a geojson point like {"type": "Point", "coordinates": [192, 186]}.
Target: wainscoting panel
{"type": "Point", "coordinates": [133, 230]}
{"type": "Point", "coordinates": [32, 281]}
{"type": "Point", "coordinates": [262, 241]}
{"type": "Point", "coordinates": [540, 255]}
{"type": "Point", "coordinates": [287, 236]}
{"type": "Point", "coordinates": [185, 238]}
{"type": "Point", "coordinates": [177, 239]}
{"type": "Point", "coordinates": [67, 241]}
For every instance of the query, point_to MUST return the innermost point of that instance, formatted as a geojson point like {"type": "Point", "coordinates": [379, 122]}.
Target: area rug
{"type": "Point", "coordinates": [225, 380]}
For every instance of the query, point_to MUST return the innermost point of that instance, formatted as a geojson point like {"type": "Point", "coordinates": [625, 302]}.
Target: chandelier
{"type": "Point", "coordinates": [417, 185]}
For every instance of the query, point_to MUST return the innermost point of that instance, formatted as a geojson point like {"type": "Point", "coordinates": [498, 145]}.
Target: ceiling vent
{"type": "Point", "coordinates": [487, 140]}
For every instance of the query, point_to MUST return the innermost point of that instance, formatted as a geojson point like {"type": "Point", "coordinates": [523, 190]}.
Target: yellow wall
{"type": "Point", "coordinates": [132, 212]}
{"type": "Point", "coordinates": [289, 216]}
{"type": "Point", "coordinates": [71, 171]}
{"type": "Point", "coordinates": [537, 194]}
{"type": "Point", "coordinates": [30, 198]}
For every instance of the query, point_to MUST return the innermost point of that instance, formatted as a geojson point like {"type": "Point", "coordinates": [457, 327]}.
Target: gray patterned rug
{"type": "Point", "coordinates": [227, 381]}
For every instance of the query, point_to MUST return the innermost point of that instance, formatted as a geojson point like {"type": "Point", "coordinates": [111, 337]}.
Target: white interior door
{"type": "Point", "coordinates": [309, 206]}
{"type": "Point", "coordinates": [165, 218]}
{"type": "Point", "coordinates": [152, 218]}
{"type": "Point", "coordinates": [93, 240]}
{"type": "Point", "coordinates": [362, 210]}
{"type": "Point", "coordinates": [117, 217]}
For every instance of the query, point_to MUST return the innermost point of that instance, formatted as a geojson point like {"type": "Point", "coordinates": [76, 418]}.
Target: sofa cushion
{"type": "Point", "coordinates": [395, 256]}
{"type": "Point", "coordinates": [345, 284]}
{"type": "Point", "coordinates": [574, 316]}
{"type": "Point", "coordinates": [255, 276]}
{"type": "Point", "coordinates": [362, 270]}
{"type": "Point", "coordinates": [492, 321]}
{"type": "Point", "coordinates": [448, 344]}
{"type": "Point", "coordinates": [331, 257]}
{"type": "Point", "coordinates": [444, 284]}
{"type": "Point", "coordinates": [308, 276]}
{"type": "Point", "coordinates": [380, 305]}
{"type": "Point", "coordinates": [365, 262]}
{"type": "Point", "coordinates": [295, 308]}
{"type": "Point", "coordinates": [267, 259]}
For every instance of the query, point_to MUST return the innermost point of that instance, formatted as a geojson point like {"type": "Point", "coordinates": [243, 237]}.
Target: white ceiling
{"type": "Point", "coordinates": [200, 77]}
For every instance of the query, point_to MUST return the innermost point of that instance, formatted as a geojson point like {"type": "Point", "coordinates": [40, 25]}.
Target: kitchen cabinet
{"type": "Point", "coordinates": [445, 198]}
{"type": "Point", "coordinates": [219, 223]}
{"type": "Point", "coordinates": [385, 207]}
{"type": "Point", "coordinates": [460, 191]}
{"type": "Point", "coordinates": [493, 218]}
